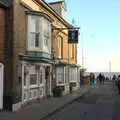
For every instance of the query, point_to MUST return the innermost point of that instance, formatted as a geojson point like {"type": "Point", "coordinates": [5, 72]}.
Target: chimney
{"type": "Point", "coordinates": [60, 7]}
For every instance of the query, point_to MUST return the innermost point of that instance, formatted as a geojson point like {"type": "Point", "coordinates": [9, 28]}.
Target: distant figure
{"type": "Point", "coordinates": [103, 79]}
{"type": "Point", "coordinates": [100, 78]}
{"type": "Point", "coordinates": [95, 81]}
{"type": "Point", "coordinates": [118, 83]}
{"type": "Point", "coordinates": [107, 78]}
{"type": "Point", "coordinates": [92, 78]}
{"type": "Point", "coordinates": [114, 77]}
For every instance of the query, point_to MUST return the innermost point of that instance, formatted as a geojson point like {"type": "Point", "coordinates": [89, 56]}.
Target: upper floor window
{"type": "Point", "coordinates": [60, 47]}
{"type": "Point", "coordinates": [34, 32]}
{"type": "Point", "coordinates": [46, 32]}
{"type": "Point", "coordinates": [39, 32]}
{"type": "Point", "coordinates": [72, 51]}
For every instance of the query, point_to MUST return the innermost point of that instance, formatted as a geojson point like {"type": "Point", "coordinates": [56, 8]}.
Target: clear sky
{"type": "Point", "coordinates": [99, 21]}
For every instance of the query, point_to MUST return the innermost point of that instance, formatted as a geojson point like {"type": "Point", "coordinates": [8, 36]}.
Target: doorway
{"type": "Point", "coordinates": [48, 82]}
{"type": "Point", "coordinates": [1, 85]}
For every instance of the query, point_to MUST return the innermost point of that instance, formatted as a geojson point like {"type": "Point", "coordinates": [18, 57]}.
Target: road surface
{"type": "Point", "coordinates": [102, 102]}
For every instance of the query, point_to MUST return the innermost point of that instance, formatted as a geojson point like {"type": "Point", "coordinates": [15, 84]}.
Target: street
{"type": "Point", "coordinates": [102, 102]}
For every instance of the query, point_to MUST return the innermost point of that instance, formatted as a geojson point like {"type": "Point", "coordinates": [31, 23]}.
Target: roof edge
{"type": "Point", "coordinates": [56, 2]}
{"type": "Point", "coordinates": [56, 14]}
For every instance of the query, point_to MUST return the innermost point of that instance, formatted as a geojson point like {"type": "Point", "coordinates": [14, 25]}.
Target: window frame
{"type": "Point", "coordinates": [44, 33]}
{"type": "Point", "coordinates": [72, 51]}
{"type": "Point", "coordinates": [60, 46]}
{"type": "Point", "coordinates": [36, 33]}
{"type": "Point", "coordinates": [47, 35]}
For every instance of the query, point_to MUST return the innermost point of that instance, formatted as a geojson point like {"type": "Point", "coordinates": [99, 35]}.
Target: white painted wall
{"type": "Point", "coordinates": [1, 85]}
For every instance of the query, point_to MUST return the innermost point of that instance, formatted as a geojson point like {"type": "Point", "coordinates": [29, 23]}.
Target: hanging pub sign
{"type": "Point", "coordinates": [73, 36]}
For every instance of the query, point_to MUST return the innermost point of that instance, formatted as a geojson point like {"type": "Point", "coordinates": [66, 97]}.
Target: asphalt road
{"type": "Point", "coordinates": [102, 102]}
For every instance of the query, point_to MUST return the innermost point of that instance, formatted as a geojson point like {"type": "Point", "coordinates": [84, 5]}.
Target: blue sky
{"type": "Point", "coordinates": [99, 21]}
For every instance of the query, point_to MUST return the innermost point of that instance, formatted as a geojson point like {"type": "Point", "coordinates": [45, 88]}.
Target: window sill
{"type": "Point", "coordinates": [34, 50]}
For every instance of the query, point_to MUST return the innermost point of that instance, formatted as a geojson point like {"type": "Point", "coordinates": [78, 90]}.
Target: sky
{"type": "Point", "coordinates": [99, 22]}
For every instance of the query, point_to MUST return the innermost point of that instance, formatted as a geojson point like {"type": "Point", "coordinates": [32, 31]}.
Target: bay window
{"type": "Point", "coordinates": [39, 33]}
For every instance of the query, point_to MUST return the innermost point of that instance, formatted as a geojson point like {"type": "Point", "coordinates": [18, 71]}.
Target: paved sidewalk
{"type": "Point", "coordinates": [44, 108]}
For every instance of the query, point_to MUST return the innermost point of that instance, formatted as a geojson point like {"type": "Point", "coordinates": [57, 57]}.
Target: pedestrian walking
{"type": "Point", "coordinates": [100, 78]}
{"type": "Point", "coordinates": [103, 79]}
{"type": "Point", "coordinates": [118, 83]}
{"type": "Point", "coordinates": [91, 78]}
{"type": "Point", "coordinates": [114, 77]}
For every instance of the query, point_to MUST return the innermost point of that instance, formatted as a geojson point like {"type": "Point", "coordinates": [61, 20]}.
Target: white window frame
{"type": "Point", "coordinates": [36, 32]}
{"type": "Point", "coordinates": [59, 47]}
{"type": "Point", "coordinates": [44, 34]}
{"type": "Point", "coordinates": [60, 76]}
{"type": "Point", "coordinates": [73, 51]}
{"type": "Point", "coordinates": [33, 71]}
{"type": "Point", "coordinates": [47, 35]}
{"type": "Point", "coordinates": [40, 76]}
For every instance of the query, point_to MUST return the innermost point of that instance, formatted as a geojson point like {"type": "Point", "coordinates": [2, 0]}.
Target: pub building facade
{"type": "Point", "coordinates": [37, 57]}
{"type": "Point", "coordinates": [66, 69]}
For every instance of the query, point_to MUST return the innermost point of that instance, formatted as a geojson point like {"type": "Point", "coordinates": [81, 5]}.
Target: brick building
{"type": "Point", "coordinates": [5, 45]}
{"type": "Point", "coordinates": [66, 68]}
{"type": "Point", "coordinates": [34, 51]}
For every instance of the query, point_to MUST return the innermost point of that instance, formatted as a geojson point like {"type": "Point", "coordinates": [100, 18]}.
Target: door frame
{"type": "Point", "coordinates": [1, 84]}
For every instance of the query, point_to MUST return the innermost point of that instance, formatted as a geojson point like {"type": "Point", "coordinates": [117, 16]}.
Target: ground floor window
{"type": "Point", "coordinates": [40, 77]}
{"type": "Point", "coordinates": [36, 81]}
{"type": "Point", "coordinates": [66, 75]}
{"type": "Point", "coordinates": [33, 79]}
{"type": "Point", "coordinates": [60, 75]}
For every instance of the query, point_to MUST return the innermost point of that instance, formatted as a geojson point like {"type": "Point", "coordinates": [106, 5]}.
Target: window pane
{"type": "Point", "coordinates": [72, 51]}
{"type": "Point", "coordinates": [46, 37]}
{"type": "Point", "coordinates": [32, 40]}
{"type": "Point", "coordinates": [41, 78]}
{"type": "Point", "coordinates": [32, 24]}
{"type": "Point", "coordinates": [60, 75]}
{"type": "Point", "coordinates": [33, 79]}
{"type": "Point", "coordinates": [60, 47]}
{"type": "Point", "coordinates": [34, 35]}
{"type": "Point", "coordinates": [46, 32]}
{"type": "Point", "coordinates": [66, 77]}
{"type": "Point", "coordinates": [25, 82]}
{"type": "Point", "coordinates": [37, 25]}
{"type": "Point", "coordinates": [37, 40]}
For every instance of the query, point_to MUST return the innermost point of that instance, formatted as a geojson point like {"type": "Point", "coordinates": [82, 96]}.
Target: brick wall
{"type": "Point", "coordinates": [2, 33]}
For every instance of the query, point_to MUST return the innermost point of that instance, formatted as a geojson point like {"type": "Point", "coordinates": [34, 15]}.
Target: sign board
{"type": "Point", "coordinates": [73, 36]}
{"type": "Point", "coordinates": [1, 85]}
